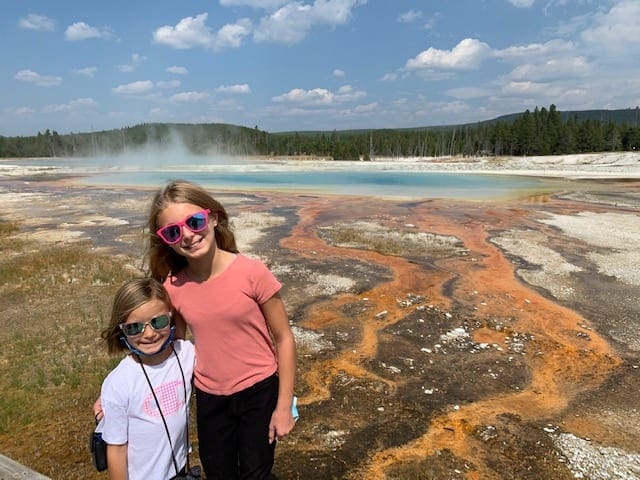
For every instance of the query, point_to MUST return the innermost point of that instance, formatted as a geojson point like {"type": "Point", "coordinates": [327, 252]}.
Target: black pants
{"type": "Point", "coordinates": [233, 432]}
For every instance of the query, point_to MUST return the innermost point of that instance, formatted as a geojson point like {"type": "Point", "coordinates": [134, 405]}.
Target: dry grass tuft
{"type": "Point", "coordinates": [378, 238]}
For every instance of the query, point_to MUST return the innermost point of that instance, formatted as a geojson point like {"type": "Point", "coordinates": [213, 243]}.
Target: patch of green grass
{"type": "Point", "coordinates": [13, 413]}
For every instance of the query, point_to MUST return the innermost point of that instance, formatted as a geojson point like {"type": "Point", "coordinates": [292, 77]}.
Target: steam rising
{"type": "Point", "coordinates": [167, 156]}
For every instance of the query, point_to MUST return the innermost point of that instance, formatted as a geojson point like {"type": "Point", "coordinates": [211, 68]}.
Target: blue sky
{"type": "Point", "coordinates": [310, 64]}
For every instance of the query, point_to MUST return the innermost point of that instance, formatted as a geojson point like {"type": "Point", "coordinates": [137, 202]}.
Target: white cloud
{"type": "Point", "coordinates": [555, 68]}
{"type": "Point", "coordinates": [346, 93]}
{"type": "Point", "coordinates": [410, 16]}
{"type": "Point", "coordinates": [291, 23]}
{"type": "Point", "coordinates": [319, 96]}
{"type": "Point", "coordinates": [41, 23]}
{"type": "Point", "coordinates": [134, 88]}
{"type": "Point", "coordinates": [369, 107]}
{"type": "Point", "coordinates": [338, 73]}
{"type": "Point", "coordinates": [389, 77]}
{"type": "Point", "coordinates": [190, 32]}
{"type": "Point", "coordinates": [540, 50]}
{"type": "Point", "coordinates": [189, 97]}
{"type": "Point", "coordinates": [231, 35]}
{"type": "Point", "coordinates": [168, 84]}
{"type": "Point", "coordinates": [521, 3]}
{"type": "Point", "coordinates": [177, 70]}
{"type": "Point", "coordinates": [78, 104]}
{"type": "Point", "coordinates": [244, 88]}
{"type": "Point", "coordinates": [83, 103]}
{"type": "Point", "coordinates": [525, 88]}
{"type": "Point", "coordinates": [333, 12]}
{"type": "Point", "coordinates": [572, 96]}
{"type": "Point", "coordinates": [86, 71]}
{"type": "Point", "coordinates": [414, 16]}
{"type": "Point", "coordinates": [136, 59]}
{"type": "Point", "coordinates": [56, 108]}
{"type": "Point", "coordinates": [618, 29]}
{"type": "Point", "coordinates": [30, 76]}
{"type": "Point", "coordinates": [567, 27]}
{"type": "Point", "coordinates": [288, 25]}
{"type": "Point", "coordinates": [467, 55]}
{"type": "Point", "coordinates": [81, 31]}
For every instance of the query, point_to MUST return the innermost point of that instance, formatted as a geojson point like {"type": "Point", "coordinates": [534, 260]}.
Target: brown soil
{"type": "Point", "coordinates": [396, 396]}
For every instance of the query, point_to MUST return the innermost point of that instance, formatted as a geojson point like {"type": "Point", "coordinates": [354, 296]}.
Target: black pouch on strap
{"type": "Point", "coordinates": [98, 449]}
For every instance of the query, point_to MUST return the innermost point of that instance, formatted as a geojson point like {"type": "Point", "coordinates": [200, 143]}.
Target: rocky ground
{"type": "Point", "coordinates": [436, 339]}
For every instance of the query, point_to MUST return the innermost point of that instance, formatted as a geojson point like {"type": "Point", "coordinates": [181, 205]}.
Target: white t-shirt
{"type": "Point", "coordinates": [131, 415]}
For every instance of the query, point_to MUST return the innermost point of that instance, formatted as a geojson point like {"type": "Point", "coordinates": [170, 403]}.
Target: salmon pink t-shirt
{"type": "Point", "coordinates": [234, 349]}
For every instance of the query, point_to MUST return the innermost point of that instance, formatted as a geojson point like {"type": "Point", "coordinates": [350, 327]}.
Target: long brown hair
{"type": "Point", "coordinates": [131, 295]}
{"type": "Point", "coordinates": [163, 260]}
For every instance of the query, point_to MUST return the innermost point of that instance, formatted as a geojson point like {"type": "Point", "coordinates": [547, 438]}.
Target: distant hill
{"type": "Point", "coordinates": [630, 116]}
{"type": "Point", "coordinates": [543, 131]}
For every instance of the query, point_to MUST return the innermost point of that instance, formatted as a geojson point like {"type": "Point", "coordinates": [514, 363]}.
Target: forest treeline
{"type": "Point", "coordinates": [539, 132]}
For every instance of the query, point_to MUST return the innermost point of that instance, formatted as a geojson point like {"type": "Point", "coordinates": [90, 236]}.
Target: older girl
{"type": "Point", "coordinates": [245, 348]}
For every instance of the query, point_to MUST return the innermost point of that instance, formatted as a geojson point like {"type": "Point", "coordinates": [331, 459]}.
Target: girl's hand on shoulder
{"type": "Point", "coordinates": [97, 410]}
{"type": "Point", "coordinates": [281, 424]}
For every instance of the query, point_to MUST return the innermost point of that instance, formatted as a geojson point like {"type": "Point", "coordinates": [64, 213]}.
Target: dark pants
{"type": "Point", "coordinates": [233, 432]}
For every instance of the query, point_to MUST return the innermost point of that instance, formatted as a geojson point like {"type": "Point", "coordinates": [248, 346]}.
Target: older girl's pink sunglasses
{"type": "Point", "coordinates": [196, 222]}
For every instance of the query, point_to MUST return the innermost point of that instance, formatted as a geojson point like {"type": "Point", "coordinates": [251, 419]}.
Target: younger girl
{"type": "Point", "coordinates": [145, 398]}
{"type": "Point", "coordinates": [244, 345]}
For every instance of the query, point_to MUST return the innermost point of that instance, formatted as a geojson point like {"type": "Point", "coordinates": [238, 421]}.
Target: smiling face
{"type": "Point", "coordinates": [192, 245]}
{"type": "Point", "coordinates": [150, 341]}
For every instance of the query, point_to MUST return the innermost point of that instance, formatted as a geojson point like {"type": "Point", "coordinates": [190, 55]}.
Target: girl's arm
{"type": "Point", "coordinates": [181, 326]}
{"type": "Point", "coordinates": [276, 315]}
{"type": "Point", "coordinates": [117, 462]}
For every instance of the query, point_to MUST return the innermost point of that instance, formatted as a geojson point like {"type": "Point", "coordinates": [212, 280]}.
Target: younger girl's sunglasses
{"type": "Point", "coordinates": [136, 328]}
{"type": "Point", "coordinates": [196, 222]}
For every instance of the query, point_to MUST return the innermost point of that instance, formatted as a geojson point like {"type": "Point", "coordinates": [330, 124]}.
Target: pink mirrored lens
{"type": "Point", "coordinates": [172, 233]}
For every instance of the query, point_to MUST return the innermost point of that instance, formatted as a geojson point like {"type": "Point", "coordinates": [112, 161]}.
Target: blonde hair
{"type": "Point", "coordinates": [163, 260]}
{"type": "Point", "coordinates": [131, 295]}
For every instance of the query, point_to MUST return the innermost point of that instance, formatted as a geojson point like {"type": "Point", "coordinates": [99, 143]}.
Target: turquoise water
{"type": "Point", "coordinates": [219, 174]}
{"type": "Point", "coordinates": [376, 183]}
